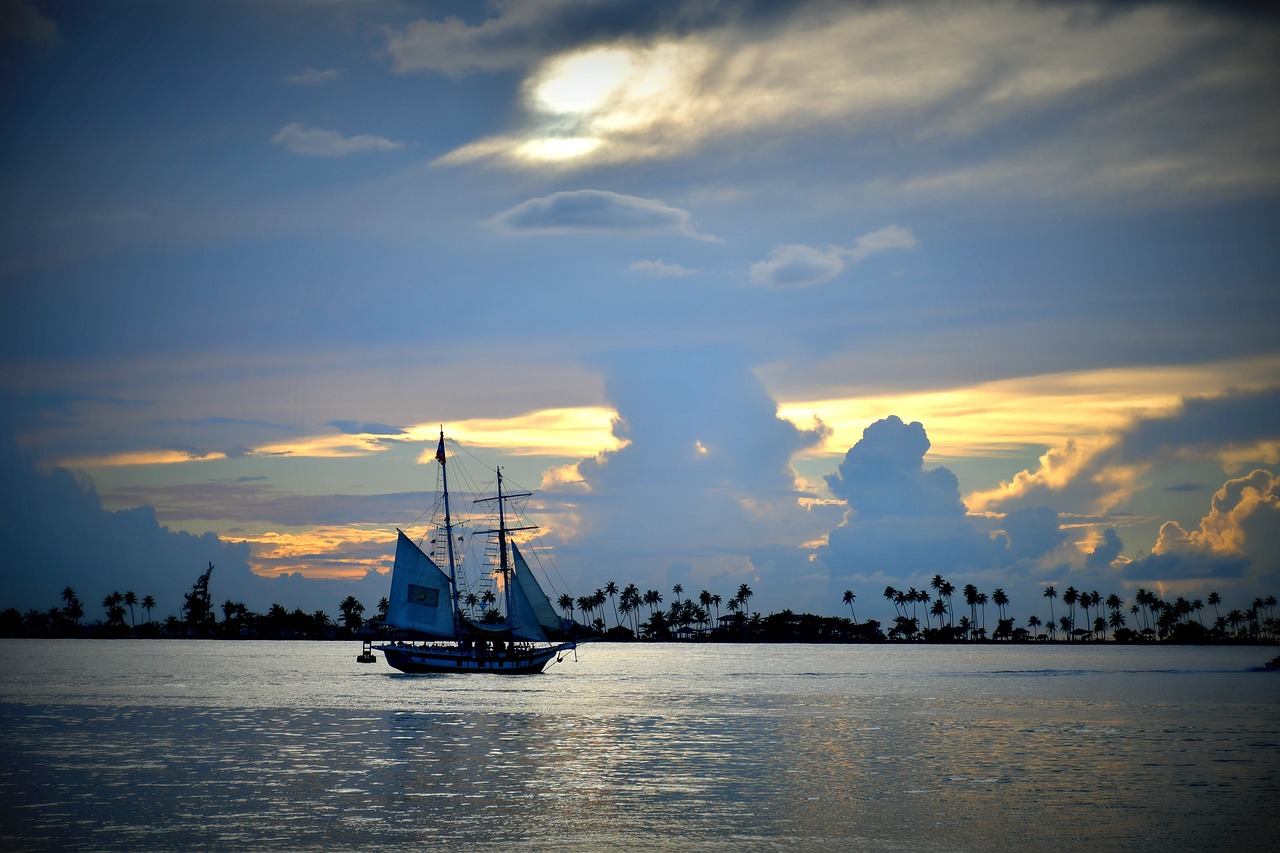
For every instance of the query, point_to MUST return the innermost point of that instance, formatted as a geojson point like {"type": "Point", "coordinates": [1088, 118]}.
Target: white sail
{"type": "Point", "coordinates": [526, 584]}
{"type": "Point", "coordinates": [420, 593]}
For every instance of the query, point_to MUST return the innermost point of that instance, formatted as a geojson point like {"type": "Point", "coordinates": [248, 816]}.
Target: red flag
{"type": "Point", "coordinates": [440, 450]}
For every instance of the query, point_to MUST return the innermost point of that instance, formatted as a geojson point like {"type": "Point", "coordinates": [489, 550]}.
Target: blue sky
{"type": "Point", "coordinates": [809, 296]}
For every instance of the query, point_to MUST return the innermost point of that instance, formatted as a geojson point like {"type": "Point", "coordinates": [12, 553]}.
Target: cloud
{"type": "Point", "coordinates": [313, 142]}
{"type": "Point", "coordinates": [620, 83]}
{"type": "Point", "coordinates": [595, 212]}
{"type": "Point", "coordinates": [1095, 478]}
{"type": "Point", "coordinates": [660, 269]}
{"type": "Point", "coordinates": [805, 266]}
{"type": "Point", "coordinates": [357, 428]}
{"type": "Point", "coordinates": [902, 518]}
{"type": "Point", "coordinates": [701, 468]}
{"type": "Point", "coordinates": [799, 266]}
{"type": "Point", "coordinates": [1106, 551]}
{"type": "Point", "coordinates": [312, 76]}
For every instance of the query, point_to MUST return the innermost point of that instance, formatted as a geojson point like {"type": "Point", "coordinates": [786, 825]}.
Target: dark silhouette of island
{"type": "Point", "coordinates": [638, 617]}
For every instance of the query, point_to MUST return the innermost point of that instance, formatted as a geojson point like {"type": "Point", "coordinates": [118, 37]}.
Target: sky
{"type": "Point", "coordinates": [811, 296]}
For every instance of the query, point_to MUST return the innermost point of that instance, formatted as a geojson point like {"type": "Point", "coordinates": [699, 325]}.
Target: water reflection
{"type": "Point", "coordinates": [726, 750]}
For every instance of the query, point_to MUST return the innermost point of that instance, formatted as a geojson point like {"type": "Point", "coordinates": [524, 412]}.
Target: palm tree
{"type": "Point", "coordinates": [1214, 600]}
{"type": "Point", "coordinates": [652, 598]}
{"type": "Point", "coordinates": [131, 598]}
{"type": "Point", "coordinates": [611, 590]}
{"type": "Point", "coordinates": [74, 610]}
{"type": "Point", "coordinates": [471, 600]}
{"type": "Point", "coordinates": [566, 604]}
{"type": "Point", "coordinates": [1050, 593]}
{"type": "Point", "coordinates": [1000, 600]}
{"type": "Point", "coordinates": [939, 609]}
{"type": "Point", "coordinates": [676, 591]}
{"type": "Point", "coordinates": [1033, 622]}
{"type": "Point", "coordinates": [891, 595]}
{"type": "Point", "coordinates": [1117, 620]}
{"type": "Point", "coordinates": [352, 611]}
{"type": "Point", "coordinates": [849, 598]}
{"type": "Point", "coordinates": [1070, 597]}
{"type": "Point", "coordinates": [949, 590]}
{"type": "Point", "coordinates": [115, 613]}
{"type": "Point", "coordinates": [971, 599]}
{"type": "Point", "coordinates": [744, 594]}
{"type": "Point", "coordinates": [148, 604]}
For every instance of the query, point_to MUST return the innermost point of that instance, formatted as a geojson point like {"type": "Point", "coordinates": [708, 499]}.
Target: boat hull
{"type": "Point", "coordinates": [458, 659]}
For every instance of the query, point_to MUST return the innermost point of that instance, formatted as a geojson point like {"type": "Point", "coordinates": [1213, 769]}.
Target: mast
{"type": "Point", "coordinates": [448, 533]}
{"type": "Point", "coordinates": [504, 567]}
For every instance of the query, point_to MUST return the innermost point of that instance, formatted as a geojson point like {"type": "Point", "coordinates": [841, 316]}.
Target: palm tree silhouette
{"type": "Point", "coordinates": [1033, 622]}
{"type": "Point", "coordinates": [566, 604]}
{"type": "Point", "coordinates": [148, 604]}
{"type": "Point", "coordinates": [745, 593]}
{"type": "Point", "coordinates": [611, 590]}
{"type": "Point", "coordinates": [1070, 597]}
{"type": "Point", "coordinates": [131, 598]}
{"type": "Point", "coordinates": [1050, 593]}
{"type": "Point", "coordinates": [849, 598]}
{"type": "Point", "coordinates": [1214, 600]}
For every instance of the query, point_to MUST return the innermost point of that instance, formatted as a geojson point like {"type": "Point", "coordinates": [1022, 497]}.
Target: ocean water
{"type": "Point", "coordinates": [167, 745]}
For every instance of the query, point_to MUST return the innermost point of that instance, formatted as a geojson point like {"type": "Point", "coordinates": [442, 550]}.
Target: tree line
{"type": "Point", "coordinates": [1087, 616]}
{"type": "Point", "coordinates": [199, 618]}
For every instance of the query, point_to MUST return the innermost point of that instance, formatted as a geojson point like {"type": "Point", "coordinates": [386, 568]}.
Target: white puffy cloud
{"type": "Point", "coordinates": [595, 212]}
{"type": "Point", "coordinates": [314, 142]}
{"type": "Point", "coordinates": [805, 266]}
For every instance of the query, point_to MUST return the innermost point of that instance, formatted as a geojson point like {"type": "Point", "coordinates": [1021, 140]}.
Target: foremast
{"type": "Point", "coordinates": [448, 538]}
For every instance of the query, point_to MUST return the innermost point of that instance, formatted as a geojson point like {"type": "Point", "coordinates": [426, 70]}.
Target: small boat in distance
{"type": "Point", "coordinates": [426, 603]}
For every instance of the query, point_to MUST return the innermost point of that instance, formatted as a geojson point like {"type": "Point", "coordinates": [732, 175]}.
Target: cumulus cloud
{"type": "Point", "coordinates": [702, 469]}
{"type": "Point", "coordinates": [1097, 478]}
{"type": "Point", "coordinates": [902, 518]}
{"type": "Point", "coordinates": [595, 212]}
{"type": "Point", "coordinates": [805, 266]}
{"type": "Point", "coordinates": [1106, 551]}
{"type": "Point", "coordinates": [314, 142]}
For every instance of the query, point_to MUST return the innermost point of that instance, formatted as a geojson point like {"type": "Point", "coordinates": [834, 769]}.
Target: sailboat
{"type": "Point", "coordinates": [425, 604]}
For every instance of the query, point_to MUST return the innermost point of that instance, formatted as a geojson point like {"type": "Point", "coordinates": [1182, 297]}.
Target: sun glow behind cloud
{"type": "Point", "coordinates": [1006, 417]}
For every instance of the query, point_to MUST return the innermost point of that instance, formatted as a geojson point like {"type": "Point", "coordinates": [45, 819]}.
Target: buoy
{"type": "Point", "coordinates": [366, 653]}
